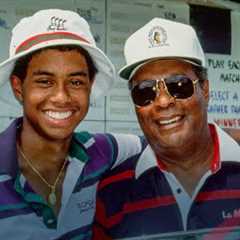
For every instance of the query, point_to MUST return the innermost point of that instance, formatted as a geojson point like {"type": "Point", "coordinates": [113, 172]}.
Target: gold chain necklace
{"type": "Point", "coordinates": [52, 199]}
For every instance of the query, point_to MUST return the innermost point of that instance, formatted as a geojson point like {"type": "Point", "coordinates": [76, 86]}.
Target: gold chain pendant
{"type": "Point", "coordinates": [52, 199]}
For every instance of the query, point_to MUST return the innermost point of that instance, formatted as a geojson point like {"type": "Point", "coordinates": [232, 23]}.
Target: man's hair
{"type": "Point", "coordinates": [21, 65]}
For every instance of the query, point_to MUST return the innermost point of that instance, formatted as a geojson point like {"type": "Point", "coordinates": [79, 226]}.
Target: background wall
{"type": "Point", "coordinates": [112, 21]}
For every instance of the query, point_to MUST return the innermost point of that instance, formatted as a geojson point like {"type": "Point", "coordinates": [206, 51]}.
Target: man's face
{"type": "Point", "coordinates": [167, 122]}
{"type": "Point", "coordinates": [55, 93]}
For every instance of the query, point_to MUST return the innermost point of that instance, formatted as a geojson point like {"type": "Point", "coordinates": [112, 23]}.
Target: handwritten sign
{"type": "Point", "coordinates": [224, 78]}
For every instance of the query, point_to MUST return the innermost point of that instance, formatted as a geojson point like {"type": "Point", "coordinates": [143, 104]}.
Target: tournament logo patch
{"type": "Point", "coordinates": [157, 37]}
{"type": "Point", "coordinates": [57, 24]}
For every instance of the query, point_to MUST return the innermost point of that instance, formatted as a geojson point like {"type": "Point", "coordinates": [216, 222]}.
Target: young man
{"type": "Point", "coordinates": [187, 178]}
{"type": "Point", "coordinates": [48, 175]}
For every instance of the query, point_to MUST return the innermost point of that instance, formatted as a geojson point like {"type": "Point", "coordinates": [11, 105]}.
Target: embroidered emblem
{"type": "Point", "coordinates": [235, 213]}
{"type": "Point", "coordinates": [57, 24]}
{"type": "Point", "coordinates": [157, 37]}
{"type": "Point", "coordinates": [86, 205]}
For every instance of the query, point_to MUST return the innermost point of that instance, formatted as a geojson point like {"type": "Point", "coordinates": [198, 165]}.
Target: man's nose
{"type": "Point", "coordinates": [163, 98]}
{"type": "Point", "coordinates": [60, 94]}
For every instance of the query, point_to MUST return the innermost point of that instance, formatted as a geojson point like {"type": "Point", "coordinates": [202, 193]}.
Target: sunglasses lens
{"type": "Point", "coordinates": [180, 86]}
{"type": "Point", "coordinates": [143, 93]}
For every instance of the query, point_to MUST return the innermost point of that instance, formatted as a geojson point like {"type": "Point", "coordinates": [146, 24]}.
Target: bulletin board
{"type": "Point", "coordinates": [112, 21]}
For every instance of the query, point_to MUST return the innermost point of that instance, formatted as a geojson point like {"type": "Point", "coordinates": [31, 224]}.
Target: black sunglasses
{"type": "Point", "coordinates": [177, 86]}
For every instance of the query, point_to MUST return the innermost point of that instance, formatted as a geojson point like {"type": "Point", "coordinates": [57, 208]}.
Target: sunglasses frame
{"type": "Point", "coordinates": [156, 89]}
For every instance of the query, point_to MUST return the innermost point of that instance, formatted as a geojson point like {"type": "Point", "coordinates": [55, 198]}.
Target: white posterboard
{"type": "Point", "coordinates": [112, 21]}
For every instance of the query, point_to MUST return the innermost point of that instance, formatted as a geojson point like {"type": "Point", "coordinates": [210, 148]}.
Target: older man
{"type": "Point", "coordinates": [48, 174]}
{"type": "Point", "coordinates": [187, 178]}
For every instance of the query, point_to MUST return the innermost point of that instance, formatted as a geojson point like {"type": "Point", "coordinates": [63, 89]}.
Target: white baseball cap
{"type": "Point", "coordinates": [55, 27]}
{"type": "Point", "coordinates": [161, 39]}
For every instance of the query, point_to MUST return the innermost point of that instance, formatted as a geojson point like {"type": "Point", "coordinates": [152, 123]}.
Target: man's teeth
{"type": "Point", "coordinates": [170, 121]}
{"type": "Point", "coordinates": [59, 115]}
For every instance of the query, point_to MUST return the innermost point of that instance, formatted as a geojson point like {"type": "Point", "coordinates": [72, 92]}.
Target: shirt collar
{"type": "Point", "coordinates": [226, 149]}
{"type": "Point", "coordinates": [146, 161]}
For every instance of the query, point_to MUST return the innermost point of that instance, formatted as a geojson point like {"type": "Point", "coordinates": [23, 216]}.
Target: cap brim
{"type": "Point", "coordinates": [103, 80]}
{"type": "Point", "coordinates": [126, 71]}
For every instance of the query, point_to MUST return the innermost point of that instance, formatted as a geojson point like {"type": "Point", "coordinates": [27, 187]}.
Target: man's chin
{"type": "Point", "coordinates": [57, 135]}
{"type": "Point", "coordinates": [172, 141]}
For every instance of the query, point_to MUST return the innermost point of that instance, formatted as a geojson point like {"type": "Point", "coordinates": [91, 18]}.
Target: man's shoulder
{"type": "Point", "coordinates": [103, 151]}
{"type": "Point", "coordinates": [8, 158]}
{"type": "Point", "coordinates": [94, 141]}
{"type": "Point", "coordinates": [8, 135]}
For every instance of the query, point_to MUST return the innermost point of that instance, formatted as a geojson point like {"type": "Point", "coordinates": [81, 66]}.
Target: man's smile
{"type": "Point", "coordinates": [58, 115]}
{"type": "Point", "coordinates": [170, 120]}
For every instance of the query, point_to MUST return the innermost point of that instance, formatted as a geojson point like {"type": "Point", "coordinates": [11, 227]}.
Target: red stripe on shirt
{"type": "Point", "coordinates": [216, 195]}
{"type": "Point", "coordinates": [215, 164]}
{"type": "Point", "coordinates": [109, 221]}
{"type": "Point", "coordinates": [116, 178]}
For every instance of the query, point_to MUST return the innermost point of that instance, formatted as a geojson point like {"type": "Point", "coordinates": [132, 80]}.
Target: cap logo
{"type": "Point", "coordinates": [57, 24]}
{"type": "Point", "coordinates": [157, 37]}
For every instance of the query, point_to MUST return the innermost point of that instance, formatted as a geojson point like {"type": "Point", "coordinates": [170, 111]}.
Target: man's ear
{"type": "Point", "coordinates": [17, 84]}
{"type": "Point", "coordinates": [92, 81]}
{"type": "Point", "coordinates": [205, 89]}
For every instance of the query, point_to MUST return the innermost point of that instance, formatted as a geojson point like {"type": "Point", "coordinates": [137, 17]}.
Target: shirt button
{"type": "Point", "coordinates": [179, 190]}
{"type": "Point", "coordinates": [50, 221]}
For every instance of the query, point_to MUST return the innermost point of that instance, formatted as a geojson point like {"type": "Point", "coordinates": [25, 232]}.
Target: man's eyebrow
{"type": "Point", "coordinates": [78, 73]}
{"type": "Point", "coordinates": [42, 72]}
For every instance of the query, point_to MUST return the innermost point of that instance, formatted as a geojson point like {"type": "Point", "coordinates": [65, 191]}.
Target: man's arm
{"type": "Point", "coordinates": [126, 146]}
